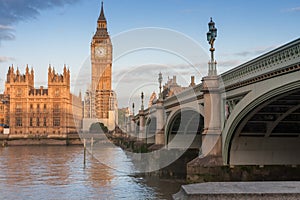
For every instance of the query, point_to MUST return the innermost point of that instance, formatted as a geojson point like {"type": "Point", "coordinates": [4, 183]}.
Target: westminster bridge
{"type": "Point", "coordinates": [249, 115]}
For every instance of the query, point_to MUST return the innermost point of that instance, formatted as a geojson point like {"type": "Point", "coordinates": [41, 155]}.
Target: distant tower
{"type": "Point", "coordinates": [100, 100]}
{"type": "Point", "coordinates": [101, 51]}
{"type": "Point", "coordinates": [101, 60]}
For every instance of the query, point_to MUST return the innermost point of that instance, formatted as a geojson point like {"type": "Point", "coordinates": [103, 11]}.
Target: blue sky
{"type": "Point", "coordinates": [58, 32]}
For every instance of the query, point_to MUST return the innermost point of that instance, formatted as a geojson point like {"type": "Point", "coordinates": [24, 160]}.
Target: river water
{"type": "Point", "coordinates": [58, 172]}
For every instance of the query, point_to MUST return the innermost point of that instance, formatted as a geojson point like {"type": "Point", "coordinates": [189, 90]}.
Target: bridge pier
{"type": "Point", "coordinates": [132, 125]}
{"type": "Point", "coordinates": [211, 148]}
{"type": "Point", "coordinates": [160, 134]}
{"type": "Point", "coordinates": [128, 128]}
{"type": "Point", "coordinates": [142, 131]}
{"type": "Point", "coordinates": [211, 135]}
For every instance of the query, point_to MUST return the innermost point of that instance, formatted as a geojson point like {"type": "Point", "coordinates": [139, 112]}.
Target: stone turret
{"type": "Point", "coordinates": [17, 77]}
{"type": "Point", "coordinates": [10, 73]}
{"type": "Point", "coordinates": [61, 79]}
{"type": "Point", "coordinates": [22, 81]}
{"type": "Point", "coordinates": [59, 84]}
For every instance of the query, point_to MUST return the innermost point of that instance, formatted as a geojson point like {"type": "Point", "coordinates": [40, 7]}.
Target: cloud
{"type": "Point", "coordinates": [3, 27]}
{"type": "Point", "coordinates": [295, 9]}
{"type": "Point", "coordinates": [6, 32]}
{"type": "Point", "coordinates": [5, 59]}
{"type": "Point", "coordinates": [12, 12]}
{"type": "Point", "coordinates": [255, 52]}
{"type": "Point", "coordinates": [229, 63]}
{"type": "Point", "coordinates": [231, 60]}
{"type": "Point", "coordinates": [250, 53]}
{"type": "Point", "coordinates": [226, 65]}
{"type": "Point", "coordinates": [150, 72]}
{"type": "Point", "coordinates": [20, 10]}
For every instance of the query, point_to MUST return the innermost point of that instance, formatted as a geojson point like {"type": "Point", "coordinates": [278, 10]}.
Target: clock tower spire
{"type": "Point", "coordinates": [101, 17]}
{"type": "Point", "coordinates": [101, 25]}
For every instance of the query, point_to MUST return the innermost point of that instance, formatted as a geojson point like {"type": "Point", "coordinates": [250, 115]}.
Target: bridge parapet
{"type": "Point", "coordinates": [271, 61]}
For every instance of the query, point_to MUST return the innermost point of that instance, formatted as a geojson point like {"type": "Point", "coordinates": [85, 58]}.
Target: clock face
{"type": "Point", "coordinates": [100, 52]}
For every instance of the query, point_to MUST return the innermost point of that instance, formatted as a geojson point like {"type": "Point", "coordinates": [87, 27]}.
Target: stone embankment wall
{"type": "Point", "coordinates": [199, 173]}
{"type": "Point", "coordinates": [71, 139]}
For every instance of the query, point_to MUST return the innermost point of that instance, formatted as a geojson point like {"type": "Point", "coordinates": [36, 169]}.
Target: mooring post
{"type": "Point", "coordinates": [92, 144]}
{"type": "Point", "coordinates": [84, 152]}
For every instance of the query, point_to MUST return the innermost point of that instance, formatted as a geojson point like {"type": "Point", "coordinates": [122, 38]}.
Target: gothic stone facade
{"type": "Point", "coordinates": [50, 112]}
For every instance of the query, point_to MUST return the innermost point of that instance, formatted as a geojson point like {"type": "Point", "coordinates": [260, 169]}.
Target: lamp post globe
{"type": "Point", "coordinates": [211, 37]}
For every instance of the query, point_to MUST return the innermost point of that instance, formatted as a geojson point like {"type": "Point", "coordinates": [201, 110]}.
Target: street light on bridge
{"type": "Point", "coordinates": [160, 79]}
{"type": "Point", "coordinates": [142, 97]}
{"type": "Point", "coordinates": [211, 37]}
{"type": "Point", "coordinates": [133, 109]}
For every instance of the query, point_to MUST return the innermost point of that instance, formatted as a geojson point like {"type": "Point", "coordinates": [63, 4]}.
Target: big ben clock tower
{"type": "Point", "coordinates": [101, 52]}
{"type": "Point", "coordinates": [100, 101]}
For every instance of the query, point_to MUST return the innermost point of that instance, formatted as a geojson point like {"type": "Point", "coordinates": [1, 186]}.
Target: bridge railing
{"type": "Point", "coordinates": [281, 57]}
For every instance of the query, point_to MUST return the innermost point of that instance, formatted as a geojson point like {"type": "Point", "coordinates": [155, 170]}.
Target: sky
{"type": "Point", "coordinates": [148, 37]}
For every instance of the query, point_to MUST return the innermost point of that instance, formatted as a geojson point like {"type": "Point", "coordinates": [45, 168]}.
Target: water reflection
{"type": "Point", "coordinates": [58, 173]}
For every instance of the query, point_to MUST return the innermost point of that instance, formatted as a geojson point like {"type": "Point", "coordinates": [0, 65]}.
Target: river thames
{"type": "Point", "coordinates": [58, 172]}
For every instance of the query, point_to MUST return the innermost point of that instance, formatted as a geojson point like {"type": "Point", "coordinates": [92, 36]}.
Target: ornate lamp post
{"type": "Point", "coordinates": [211, 135]}
{"type": "Point", "coordinates": [133, 109]}
{"type": "Point", "coordinates": [142, 97]}
{"type": "Point", "coordinates": [160, 79]}
{"type": "Point", "coordinates": [211, 37]}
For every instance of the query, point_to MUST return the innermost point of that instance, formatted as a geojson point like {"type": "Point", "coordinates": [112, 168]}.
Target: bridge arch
{"type": "Point", "coordinates": [183, 128]}
{"type": "Point", "coordinates": [264, 128]}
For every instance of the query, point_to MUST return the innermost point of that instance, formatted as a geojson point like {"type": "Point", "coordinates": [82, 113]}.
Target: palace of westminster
{"type": "Point", "coordinates": [55, 111]}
